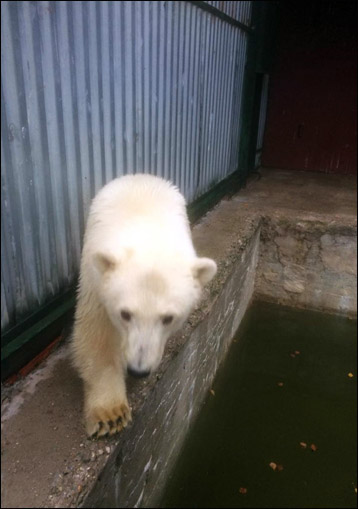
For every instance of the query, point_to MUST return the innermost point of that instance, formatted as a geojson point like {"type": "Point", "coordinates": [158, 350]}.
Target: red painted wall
{"type": "Point", "coordinates": [312, 107]}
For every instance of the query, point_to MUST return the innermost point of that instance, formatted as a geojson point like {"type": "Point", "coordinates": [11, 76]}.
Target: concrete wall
{"type": "Point", "coordinates": [308, 263]}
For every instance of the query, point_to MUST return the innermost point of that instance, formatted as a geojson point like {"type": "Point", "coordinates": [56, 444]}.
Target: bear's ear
{"type": "Point", "coordinates": [204, 269]}
{"type": "Point", "coordinates": [104, 262]}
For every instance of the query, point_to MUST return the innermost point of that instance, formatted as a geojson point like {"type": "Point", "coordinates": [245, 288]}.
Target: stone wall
{"type": "Point", "coordinates": [308, 262]}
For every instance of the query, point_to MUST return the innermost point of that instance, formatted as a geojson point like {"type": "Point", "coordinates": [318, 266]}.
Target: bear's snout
{"type": "Point", "coordinates": [136, 373]}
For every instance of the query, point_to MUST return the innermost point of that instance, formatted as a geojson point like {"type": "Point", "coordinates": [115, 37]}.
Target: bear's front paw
{"type": "Point", "coordinates": [107, 419]}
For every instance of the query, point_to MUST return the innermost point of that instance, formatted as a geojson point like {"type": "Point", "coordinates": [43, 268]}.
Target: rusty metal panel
{"type": "Point", "coordinates": [312, 114]}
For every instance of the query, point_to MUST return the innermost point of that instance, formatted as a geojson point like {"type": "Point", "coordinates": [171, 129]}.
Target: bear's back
{"type": "Point", "coordinates": [140, 209]}
{"type": "Point", "coordinates": [138, 195]}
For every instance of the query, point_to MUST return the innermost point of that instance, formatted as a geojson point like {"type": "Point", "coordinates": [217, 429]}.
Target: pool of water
{"type": "Point", "coordinates": [286, 382]}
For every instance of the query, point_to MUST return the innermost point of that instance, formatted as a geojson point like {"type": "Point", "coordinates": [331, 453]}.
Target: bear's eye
{"type": "Point", "coordinates": [166, 320]}
{"type": "Point", "coordinates": [126, 315]}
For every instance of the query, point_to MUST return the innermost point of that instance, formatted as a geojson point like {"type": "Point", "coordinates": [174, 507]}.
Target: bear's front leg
{"type": "Point", "coordinates": [106, 405]}
{"type": "Point", "coordinates": [97, 355]}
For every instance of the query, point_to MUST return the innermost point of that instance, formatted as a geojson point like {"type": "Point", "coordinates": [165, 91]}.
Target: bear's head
{"type": "Point", "coordinates": [147, 301]}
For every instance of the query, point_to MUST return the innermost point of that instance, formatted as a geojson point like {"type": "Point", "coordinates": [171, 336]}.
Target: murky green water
{"type": "Point", "coordinates": [252, 421]}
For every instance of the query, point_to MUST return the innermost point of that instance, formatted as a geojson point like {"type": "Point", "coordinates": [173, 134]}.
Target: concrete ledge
{"type": "Point", "coordinates": [45, 450]}
{"type": "Point", "coordinates": [308, 248]}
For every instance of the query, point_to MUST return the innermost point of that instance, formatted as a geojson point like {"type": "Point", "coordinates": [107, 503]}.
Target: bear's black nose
{"type": "Point", "coordinates": [136, 373]}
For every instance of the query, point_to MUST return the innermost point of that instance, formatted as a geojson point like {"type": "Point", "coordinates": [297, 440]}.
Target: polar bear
{"type": "Point", "coordinates": [140, 278]}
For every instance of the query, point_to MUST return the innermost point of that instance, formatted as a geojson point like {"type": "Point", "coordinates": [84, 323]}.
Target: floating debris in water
{"type": "Point", "coordinates": [243, 491]}
{"type": "Point", "coordinates": [280, 384]}
{"type": "Point", "coordinates": [314, 447]}
{"type": "Point", "coordinates": [350, 375]}
{"type": "Point", "coordinates": [212, 392]}
{"type": "Point", "coordinates": [275, 466]}
{"type": "Point", "coordinates": [303, 445]}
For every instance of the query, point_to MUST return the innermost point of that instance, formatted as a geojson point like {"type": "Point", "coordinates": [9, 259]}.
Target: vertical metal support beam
{"type": "Point", "coordinates": [248, 98]}
{"type": "Point", "coordinates": [259, 60]}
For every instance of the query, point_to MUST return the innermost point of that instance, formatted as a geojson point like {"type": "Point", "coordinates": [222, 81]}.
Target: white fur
{"type": "Point", "coordinates": [137, 258]}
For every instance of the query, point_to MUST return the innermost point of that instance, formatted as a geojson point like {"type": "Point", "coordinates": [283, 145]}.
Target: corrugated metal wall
{"type": "Point", "coordinates": [91, 91]}
{"type": "Point", "coordinates": [241, 11]}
